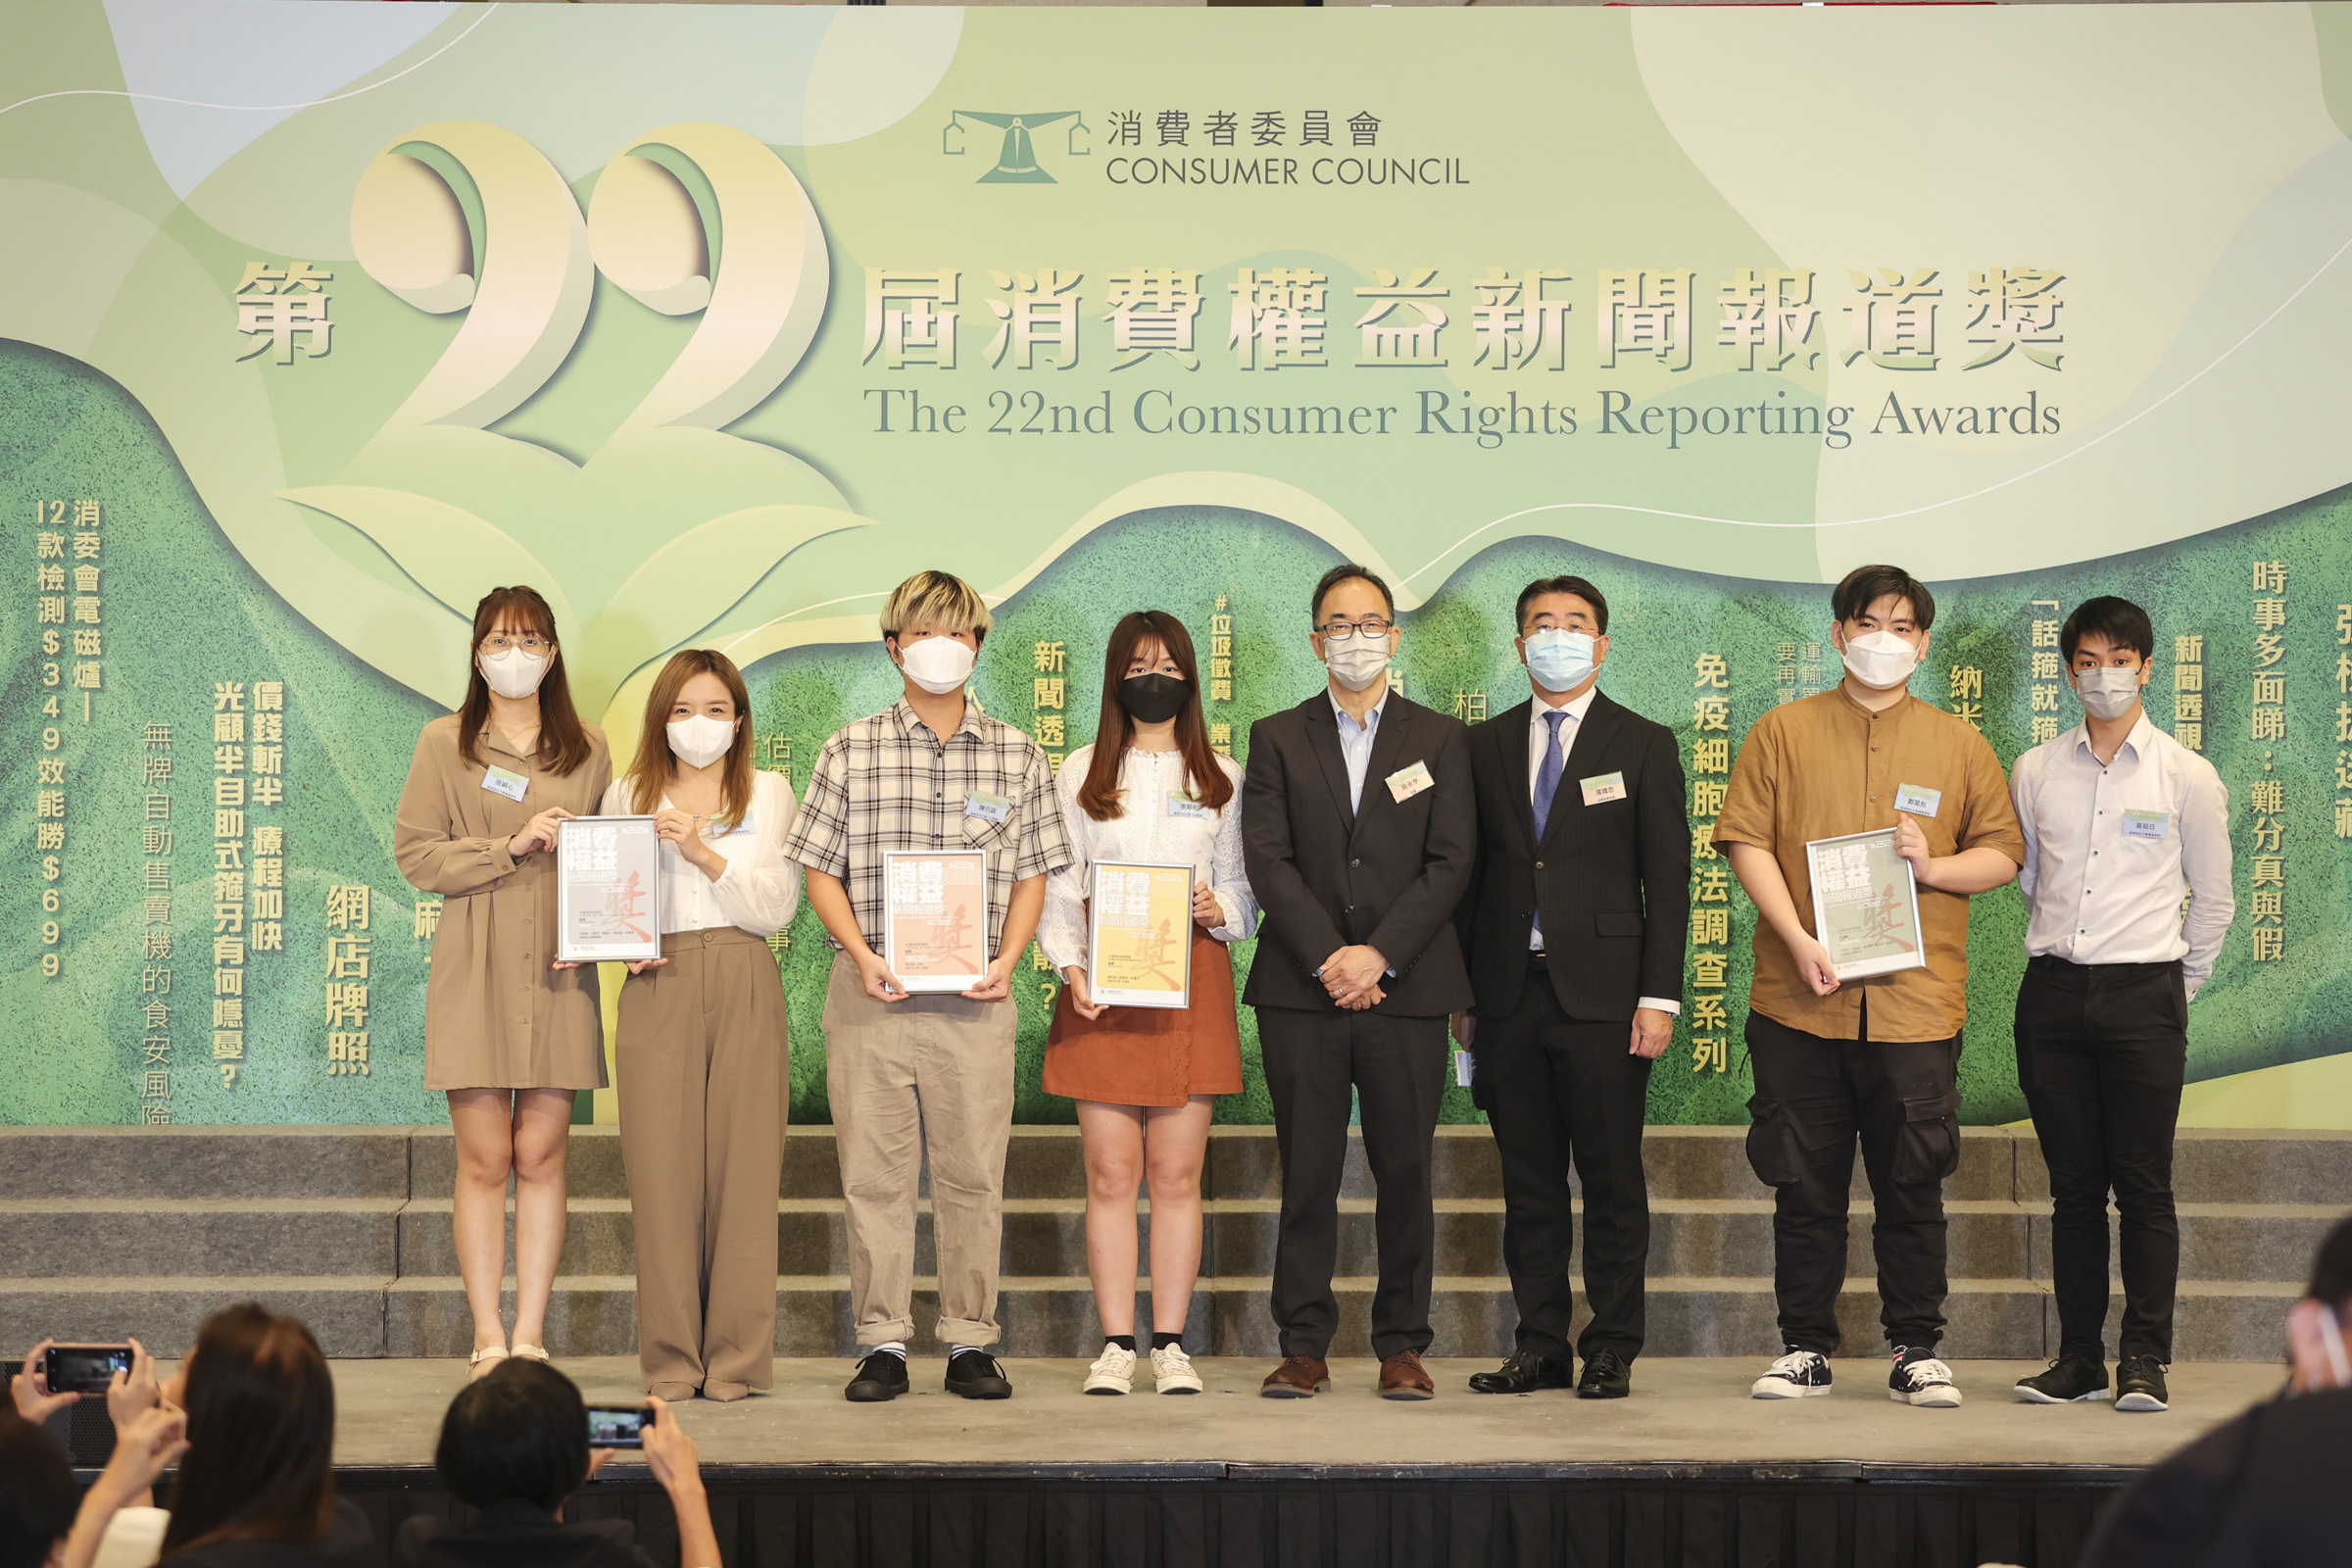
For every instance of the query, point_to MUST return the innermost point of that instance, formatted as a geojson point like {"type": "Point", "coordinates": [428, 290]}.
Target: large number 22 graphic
{"type": "Point", "coordinates": [462, 216]}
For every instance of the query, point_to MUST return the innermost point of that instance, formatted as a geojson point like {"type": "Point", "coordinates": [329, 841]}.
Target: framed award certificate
{"type": "Point", "coordinates": [608, 889]}
{"type": "Point", "coordinates": [1865, 905]}
{"type": "Point", "coordinates": [934, 917]}
{"type": "Point", "coordinates": [1139, 934]}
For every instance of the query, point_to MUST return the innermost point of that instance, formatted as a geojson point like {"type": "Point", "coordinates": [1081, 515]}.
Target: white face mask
{"type": "Point", "coordinates": [1880, 660]}
{"type": "Point", "coordinates": [2107, 692]}
{"type": "Point", "coordinates": [938, 664]}
{"type": "Point", "coordinates": [1559, 658]}
{"type": "Point", "coordinates": [514, 673]}
{"type": "Point", "coordinates": [1356, 659]}
{"type": "Point", "coordinates": [702, 739]}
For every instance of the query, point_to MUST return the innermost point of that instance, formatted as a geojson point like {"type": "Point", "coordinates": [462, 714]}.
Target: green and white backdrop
{"type": "Point", "coordinates": [712, 323]}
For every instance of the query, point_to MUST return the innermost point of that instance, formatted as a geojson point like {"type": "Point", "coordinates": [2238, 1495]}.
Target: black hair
{"type": "Point", "coordinates": [1865, 586]}
{"type": "Point", "coordinates": [38, 1494]}
{"type": "Point", "coordinates": [2331, 1268]}
{"type": "Point", "coordinates": [1344, 571]}
{"type": "Point", "coordinates": [1562, 585]}
{"type": "Point", "coordinates": [2121, 621]}
{"type": "Point", "coordinates": [522, 1432]}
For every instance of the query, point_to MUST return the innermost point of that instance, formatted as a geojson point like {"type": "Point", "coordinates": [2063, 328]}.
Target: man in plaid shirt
{"type": "Point", "coordinates": [931, 772]}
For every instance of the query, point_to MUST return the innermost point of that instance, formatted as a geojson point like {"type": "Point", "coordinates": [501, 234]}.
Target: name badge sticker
{"type": "Point", "coordinates": [505, 781]}
{"type": "Point", "coordinates": [1183, 804]}
{"type": "Point", "coordinates": [1602, 788]}
{"type": "Point", "coordinates": [2146, 824]}
{"type": "Point", "coordinates": [749, 824]}
{"type": "Point", "coordinates": [1917, 800]}
{"type": "Point", "coordinates": [988, 807]}
{"type": "Point", "coordinates": [1407, 782]}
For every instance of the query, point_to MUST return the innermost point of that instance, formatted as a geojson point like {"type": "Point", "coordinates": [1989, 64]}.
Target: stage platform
{"type": "Point", "coordinates": [1687, 1471]}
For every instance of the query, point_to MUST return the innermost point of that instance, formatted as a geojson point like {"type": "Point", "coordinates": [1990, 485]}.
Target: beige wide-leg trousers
{"type": "Point", "coordinates": [931, 1074]}
{"type": "Point", "coordinates": [705, 1078]}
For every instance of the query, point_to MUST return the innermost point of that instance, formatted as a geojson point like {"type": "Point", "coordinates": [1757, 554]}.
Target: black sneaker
{"type": "Point", "coordinates": [975, 1375]}
{"type": "Point", "coordinates": [2140, 1384]}
{"type": "Point", "coordinates": [881, 1376]}
{"type": "Point", "coordinates": [2073, 1379]}
{"type": "Point", "coordinates": [1793, 1376]}
{"type": "Point", "coordinates": [1920, 1379]}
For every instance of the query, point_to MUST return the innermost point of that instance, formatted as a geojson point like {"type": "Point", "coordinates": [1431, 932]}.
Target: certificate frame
{"type": "Point", "coordinates": [1865, 905]}
{"type": "Point", "coordinates": [608, 890]}
{"type": "Point", "coordinates": [923, 941]}
{"type": "Point", "coordinates": [1134, 944]}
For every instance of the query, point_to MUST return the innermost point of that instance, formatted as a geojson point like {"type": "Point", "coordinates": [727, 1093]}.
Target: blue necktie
{"type": "Point", "coordinates": [1548, 783]}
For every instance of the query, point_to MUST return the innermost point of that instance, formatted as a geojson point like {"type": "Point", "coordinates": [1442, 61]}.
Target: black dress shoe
{"type": "Point", "coordinates": [1606, 1377]}
{"type": "Point", "coordinates": [975, 1375]}
{"type": "Point", "coordinates": [1523, 1373]}
{"type": "Point", "coordinates": [880, 1376]}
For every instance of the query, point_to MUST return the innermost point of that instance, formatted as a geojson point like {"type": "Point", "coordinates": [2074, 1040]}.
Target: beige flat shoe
{"type": "Point", "coordinates": [720, 1392]}
{"type": "Point", "coordinates": [479, 1364]}
{"type": "Point", "coordinates": [533, 1352]}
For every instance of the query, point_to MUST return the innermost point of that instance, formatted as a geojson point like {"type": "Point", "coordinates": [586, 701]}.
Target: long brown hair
{"type": "Point", "coordinates": [563, 739]}
{"type": "Point", "coordinates": [261, 1435]}
{"type": "Point", "coordinates": [1100, 793]}
{"type": "Point", "coordinates": [653, 767]}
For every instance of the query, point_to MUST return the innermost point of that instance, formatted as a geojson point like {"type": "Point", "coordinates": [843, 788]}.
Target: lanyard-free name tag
{"type": "Point", "coordinates": [747, 825]}
{"type": "Point", "coordinates": [1917, 800]}
{"type": "Point", "coordinates": [1183, 804]}
{"type": "Point", "coordinates": [1407, 782]}
{"type": "Point", "coordinates": [1602, 788]}
{"type": "Point", "coordinates": [2145, 824]}
{"type": "Point", "coordinates": [988, 807]}
{"type": "Point", "coordinates": [505, 781]}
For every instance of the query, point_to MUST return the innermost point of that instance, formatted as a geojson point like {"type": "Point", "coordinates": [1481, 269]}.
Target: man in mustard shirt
{"type": "Point", "coordinates": [1875, 1058]}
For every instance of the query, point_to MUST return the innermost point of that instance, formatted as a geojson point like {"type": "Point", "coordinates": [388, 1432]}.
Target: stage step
{"type": "Point", "coordinates": [144, 1230]}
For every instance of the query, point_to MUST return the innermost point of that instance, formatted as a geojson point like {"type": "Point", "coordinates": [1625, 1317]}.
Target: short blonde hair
{"type": "Point", "coordinates": [935, 598]}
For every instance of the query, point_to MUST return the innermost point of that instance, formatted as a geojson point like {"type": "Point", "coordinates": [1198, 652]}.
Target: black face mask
{"type": "Point", "coordinates": [1154, 699]}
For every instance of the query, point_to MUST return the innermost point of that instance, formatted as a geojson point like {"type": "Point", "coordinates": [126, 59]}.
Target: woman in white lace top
{"type": "Point", "coordinates": [1144, 1078]}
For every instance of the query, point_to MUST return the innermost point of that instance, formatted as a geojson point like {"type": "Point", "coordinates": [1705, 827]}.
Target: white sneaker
{"type": "Point", "coordinates": [1920, 1379]}
{"type": "Point", "coordinates": [1114, 1372]}
{"type": "Point", "coordinates": [1793, 1376]}
{"type": "Point", "coordinates": [1172, 1371]}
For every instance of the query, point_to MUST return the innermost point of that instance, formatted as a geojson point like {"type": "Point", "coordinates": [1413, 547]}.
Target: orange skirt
{"type": "Point", "coordinates": [1153, 1055]}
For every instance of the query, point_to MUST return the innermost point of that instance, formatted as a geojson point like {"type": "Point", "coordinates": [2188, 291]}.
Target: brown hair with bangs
{"type": "Point", "coordinates": [655, 765]}
{"type": "Point", "coordinates": [259, 1464]}
{"type": "Point", "coordinates": [563, 739]}
{"type": "Point", "coordinates": [1100, 795]}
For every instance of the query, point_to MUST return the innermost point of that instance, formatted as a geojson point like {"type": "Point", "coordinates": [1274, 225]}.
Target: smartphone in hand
{"type": "Point", "coordinates": [618, 1426]}
{"type": "Point", "coordinates": [84, 1368]}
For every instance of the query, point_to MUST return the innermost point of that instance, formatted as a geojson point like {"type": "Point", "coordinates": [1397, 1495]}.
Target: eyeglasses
{"type": "Point", "coordinates": [499, 643]}
{"type": "Point", "coordinates": [1370, 626]}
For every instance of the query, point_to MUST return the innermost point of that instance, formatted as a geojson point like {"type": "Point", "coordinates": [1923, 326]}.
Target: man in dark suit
{"type": "Point", "coordinates": [1358, 833]}
{"type": "Point", "coordinates": [1576, 925]}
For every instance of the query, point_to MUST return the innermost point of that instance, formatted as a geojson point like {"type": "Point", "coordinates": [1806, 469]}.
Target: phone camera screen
{"type": "Point", "coordinates": [616, 1428]}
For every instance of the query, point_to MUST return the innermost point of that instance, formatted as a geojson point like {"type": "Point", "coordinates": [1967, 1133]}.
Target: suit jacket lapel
{"type": "Point", "coordinates": [1323, 738]}
{"type": "Point", "coordinates": [1591, 735]}
{"type": "Point", "coordinates": [1511, 736]}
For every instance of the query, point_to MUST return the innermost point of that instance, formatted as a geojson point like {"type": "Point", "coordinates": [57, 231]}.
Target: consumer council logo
{"type": "Point", "coordinates": [1016, 154]}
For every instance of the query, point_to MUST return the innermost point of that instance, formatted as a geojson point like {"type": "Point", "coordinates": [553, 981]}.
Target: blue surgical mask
{"type": "Point", "coordinates": [1559, 658]}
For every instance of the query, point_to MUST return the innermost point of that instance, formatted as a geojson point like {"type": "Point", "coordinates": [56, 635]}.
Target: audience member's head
{"type": "Point", "coordinates": [38, 1494]}
{"type": "Point", "coordinates": [518, 1433]}
{"type": "Point", "coordinates": [2319, 1330]}
{"type": "Point", "coordinates": [261, 1434]}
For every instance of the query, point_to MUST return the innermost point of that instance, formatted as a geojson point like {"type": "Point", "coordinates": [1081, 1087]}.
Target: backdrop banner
{"type": "Point", "coordinates": [715, 323]}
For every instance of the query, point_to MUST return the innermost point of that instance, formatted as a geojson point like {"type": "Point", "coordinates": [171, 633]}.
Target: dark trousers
{"type": "Point", "coordinates": [1559, 1089]}
{"type": "Point", "coordinates": [1396, 1069]}
{"type": "Point", "coordinates": [1813, 1097]}
{"type": "Point", "coordinates": [2101, 1049]}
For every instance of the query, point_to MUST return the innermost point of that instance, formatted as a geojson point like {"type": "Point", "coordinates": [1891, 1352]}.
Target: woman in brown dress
{"type": "Point", "coordinates": [510, 1037]}
{"type": "Point", "coordinates": [1144, 1078]}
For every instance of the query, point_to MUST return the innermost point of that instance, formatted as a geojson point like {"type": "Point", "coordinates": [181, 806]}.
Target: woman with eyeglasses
{"type": "Point", "coordinates": [508, 1036]}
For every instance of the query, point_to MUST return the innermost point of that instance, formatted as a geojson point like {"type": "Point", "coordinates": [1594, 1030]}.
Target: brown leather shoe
{"type": "Point", "coordinates": [1402, 1377]}
{"type": "Point", "coordinates": [1300, 1377]}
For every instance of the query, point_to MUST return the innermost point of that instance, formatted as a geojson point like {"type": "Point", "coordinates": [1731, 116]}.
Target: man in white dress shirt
{"type": "Point", "coordinates": [2121, 824]}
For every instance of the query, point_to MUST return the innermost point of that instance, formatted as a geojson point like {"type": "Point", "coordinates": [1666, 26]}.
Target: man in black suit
{"type": "Point", "coordinates": [1358, 833]}
{"type": "Point", "coordinates": [1576, 923]}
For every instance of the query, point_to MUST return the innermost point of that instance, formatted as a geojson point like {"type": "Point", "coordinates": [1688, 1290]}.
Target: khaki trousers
{"type": "Point", "coordinates": [704, 1080]}
{"type": "Point", "coordinates": [931, 1074]}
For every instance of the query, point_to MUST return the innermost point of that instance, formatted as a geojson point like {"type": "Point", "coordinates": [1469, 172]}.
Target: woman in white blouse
{"type": "Point", "coordinates": [703, 1053]}
{"type": "Point", "coordinates": [1144, 1078]}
